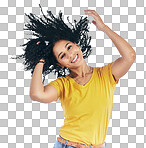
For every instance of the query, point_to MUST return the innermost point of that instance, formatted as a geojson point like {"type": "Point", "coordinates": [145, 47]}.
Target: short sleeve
{"type": "Point", "coordinates": [107, 74]}
{"type": "Point", "coordinates": [58, 84]}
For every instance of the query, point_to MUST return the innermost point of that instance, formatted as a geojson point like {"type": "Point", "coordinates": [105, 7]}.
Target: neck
{"type": "Point", "coordinates": [81, 72]}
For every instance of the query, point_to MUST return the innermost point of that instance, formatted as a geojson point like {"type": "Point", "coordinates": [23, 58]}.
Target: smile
{"type": "Point", "coordinates": [75, 59]}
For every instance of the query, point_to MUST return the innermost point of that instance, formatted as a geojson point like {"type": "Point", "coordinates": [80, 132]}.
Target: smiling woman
{"type": "Point", "coordinates": [48, 32]}
{"type": "Point", "coordinates": [70, 55]}
{"type": "Point", "coordinates": [86, 94]}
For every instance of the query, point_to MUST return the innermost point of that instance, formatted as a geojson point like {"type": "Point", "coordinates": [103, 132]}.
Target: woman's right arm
{"type": "Point", "coordinates": [39, 92]}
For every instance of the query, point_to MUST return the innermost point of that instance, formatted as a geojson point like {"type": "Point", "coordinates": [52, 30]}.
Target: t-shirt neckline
{"type": "Point", "coordinates": [83, 86]}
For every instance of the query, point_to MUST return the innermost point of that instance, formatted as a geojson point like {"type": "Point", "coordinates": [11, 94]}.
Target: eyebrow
{"type": "Point", "coordinates": [61, 52]}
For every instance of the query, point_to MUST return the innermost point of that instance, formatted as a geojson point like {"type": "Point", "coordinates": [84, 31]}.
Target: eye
{"type": "Point", "coordinates": [64, 54]}
{"type": "Point", "coordinates": [68, 47]}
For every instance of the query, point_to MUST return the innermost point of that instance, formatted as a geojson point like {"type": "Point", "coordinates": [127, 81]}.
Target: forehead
{"type": "Point", "coordinates": [60, 45]}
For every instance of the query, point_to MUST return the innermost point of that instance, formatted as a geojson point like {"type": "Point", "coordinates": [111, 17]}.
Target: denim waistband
{"type": "Point", "coordinates": [81, 143]}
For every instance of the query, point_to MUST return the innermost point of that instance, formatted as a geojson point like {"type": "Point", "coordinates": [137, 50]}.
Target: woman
{"type": "Point", "coordinates": [86, 93]}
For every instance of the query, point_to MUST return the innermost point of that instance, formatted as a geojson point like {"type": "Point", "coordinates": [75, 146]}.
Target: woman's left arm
{"type": "Point", "coordinates": [121, 66]}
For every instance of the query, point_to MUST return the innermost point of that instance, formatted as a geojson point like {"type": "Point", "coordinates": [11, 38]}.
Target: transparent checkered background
{"type": "Point", "coordinates": [29, 124]}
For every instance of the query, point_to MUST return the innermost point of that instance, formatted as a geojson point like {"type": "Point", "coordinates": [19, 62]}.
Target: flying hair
{"type": "Point", "coordinates": [46, 31]}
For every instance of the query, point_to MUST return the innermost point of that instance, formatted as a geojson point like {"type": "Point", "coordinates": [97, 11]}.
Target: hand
{"type": "Point", "coordinates": [42, 60]}
{"type": "Point", "coordinates": [98, 21]}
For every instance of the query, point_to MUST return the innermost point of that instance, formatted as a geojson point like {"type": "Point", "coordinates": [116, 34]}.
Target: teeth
{"type": "Point", "coordinates": [75, 58]}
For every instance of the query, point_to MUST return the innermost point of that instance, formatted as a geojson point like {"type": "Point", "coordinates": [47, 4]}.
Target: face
{"type": "Point", "coordinates": [65, 51]}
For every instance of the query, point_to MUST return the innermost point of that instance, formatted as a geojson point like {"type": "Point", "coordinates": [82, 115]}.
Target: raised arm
{"type": "Point", "coordinates": [38, 92]}
{"type": "Point", "coordinates": [121, 66]}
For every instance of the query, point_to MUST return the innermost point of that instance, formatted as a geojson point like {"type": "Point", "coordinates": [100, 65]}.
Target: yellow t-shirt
{"type": "Point", "coordinates": [87, 108]}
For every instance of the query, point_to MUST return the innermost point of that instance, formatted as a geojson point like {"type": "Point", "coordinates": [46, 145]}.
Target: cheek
{"type": "Point", "coordinates": [75, 49]}
{"type": "Point", "coordinates": [64, 61]}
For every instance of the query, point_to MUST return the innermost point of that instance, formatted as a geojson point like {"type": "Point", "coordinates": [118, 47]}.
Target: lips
{"type": "Point", "coordinates": [74, 58]}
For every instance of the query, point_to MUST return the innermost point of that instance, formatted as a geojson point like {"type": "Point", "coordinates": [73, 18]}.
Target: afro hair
{"type": "Point", "coordinates": [47, 30]}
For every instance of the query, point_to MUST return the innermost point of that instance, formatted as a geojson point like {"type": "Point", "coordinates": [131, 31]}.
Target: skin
{"type": "Point", "coordinates": [80, 68]}
{"type": "Point", "coordinates": [120, 66]}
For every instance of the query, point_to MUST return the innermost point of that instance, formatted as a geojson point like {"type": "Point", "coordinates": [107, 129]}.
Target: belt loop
{"type": "Point", "coordinates": [85, 145]}
{"type": "Point", "coordinates": [65, 143]}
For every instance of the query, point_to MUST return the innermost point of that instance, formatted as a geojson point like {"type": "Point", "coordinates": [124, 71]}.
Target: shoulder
{"type": "Point", "coordinates": [97, 68]}
{"type": "Point", "coordinates": [105, 67]}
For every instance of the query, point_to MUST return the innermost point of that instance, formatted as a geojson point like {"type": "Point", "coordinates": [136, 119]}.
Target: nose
{"type": "Point", "coordinates": [70, 55]}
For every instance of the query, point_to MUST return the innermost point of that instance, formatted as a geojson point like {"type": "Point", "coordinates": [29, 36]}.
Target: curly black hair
{"type": "Point", "coordinates": [48, 31]}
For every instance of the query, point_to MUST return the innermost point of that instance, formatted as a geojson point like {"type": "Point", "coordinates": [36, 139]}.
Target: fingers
{"type": "Point", "coordinates": [90, 10]}
{"type": "Point", "coordinates": [38, 43]}
{"type": "Point", "coordinates": [92, 13]}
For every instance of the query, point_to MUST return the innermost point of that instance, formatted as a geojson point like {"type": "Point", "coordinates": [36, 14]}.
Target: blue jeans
{"type": "Point", "coordinates": [61, 145]}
